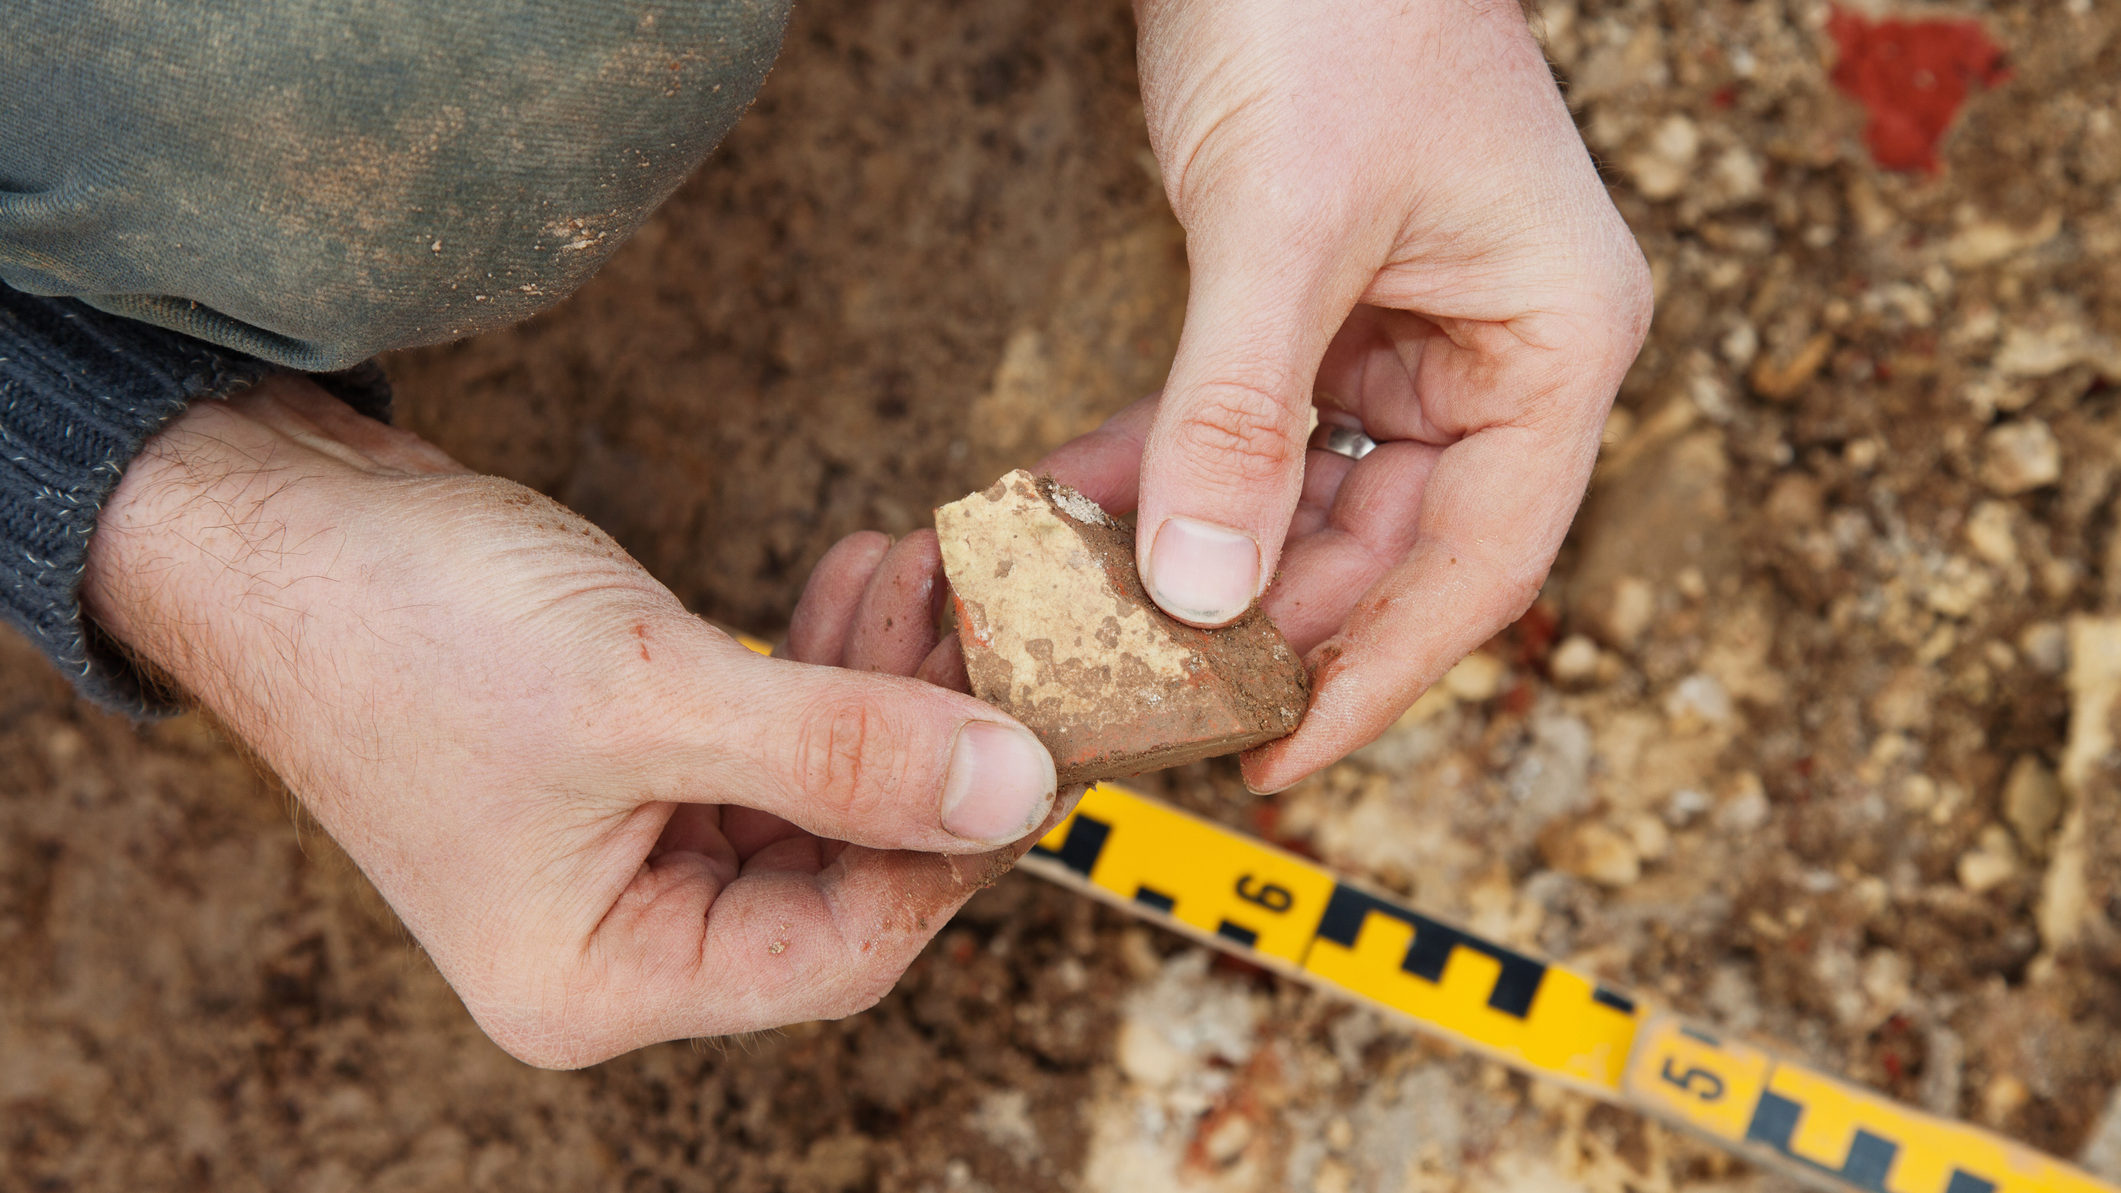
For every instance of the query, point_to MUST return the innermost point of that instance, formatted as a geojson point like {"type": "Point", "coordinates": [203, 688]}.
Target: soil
{"type": "Point", "coordinates": [1779, 745]}
{"type": "Point", "coordinates": [1059, 632]}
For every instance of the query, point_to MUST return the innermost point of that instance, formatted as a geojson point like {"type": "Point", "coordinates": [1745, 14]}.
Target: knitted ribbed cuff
{"type": "Point", "coordinates": [80, 392]}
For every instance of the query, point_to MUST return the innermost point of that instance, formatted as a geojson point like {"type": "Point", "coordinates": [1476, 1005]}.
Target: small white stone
{"type": "Point", "coordinates": [1594, 851]}
{"type": "Point", "coordinates": [1698, 700]}
{"type": "Point", "coordinates": [1958, 588]}
{"type": "Point", "coordinates": [1884, 979]}
{"type": "Point", "coordinates": [1989, 533]}
{"type": "Point", "coordinates": [2021, 457]}
{"type": "Point", "coordinates": [1227, 1140]}
{"type": "Point", "coordinates": [1737, 172]}
{"type": "Point", "coordinates": [1745, 806]}
{"type": "Point", "coordinates": [1665, 165]}
{"type": "Point", "coordinates": [1685, 806]}
{"type": "Point", "coordinates": [1740, 345]}
{"type": "Point", "coordinates": [2045, 645]}
{"type": "Point", "coordinates": [2032, 801]}
{"type": "Point", "coordinates": [1574, 663]}
{"type": "Point", "coordinates": [1146, 1057]}
{"type": "Point", "coordinates": [1991, 863]}
{"type": "Point", "coordinates": [1986, 242]}
{"type": "Point", "coordinates": [1651, 839]}
{"type": "Point", "coordinates": [1628, 614]}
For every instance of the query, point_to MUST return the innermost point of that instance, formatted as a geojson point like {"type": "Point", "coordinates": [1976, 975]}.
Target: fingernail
{"type": "Point", "coordinates": [1202, 573]}
{"type": "Point", "coordinates": [1000, 785]}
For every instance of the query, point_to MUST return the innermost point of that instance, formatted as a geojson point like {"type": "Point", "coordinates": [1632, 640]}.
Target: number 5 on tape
{"type": "Point", "coordinates": [1828, 1130]}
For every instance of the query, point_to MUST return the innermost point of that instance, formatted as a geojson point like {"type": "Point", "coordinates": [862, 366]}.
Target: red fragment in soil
{"type": "Point", "coordinates": [1911, 76]}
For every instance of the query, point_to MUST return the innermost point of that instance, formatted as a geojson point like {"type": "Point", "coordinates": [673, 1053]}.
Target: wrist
{"type": "Point", "coordinates": [224, 536]}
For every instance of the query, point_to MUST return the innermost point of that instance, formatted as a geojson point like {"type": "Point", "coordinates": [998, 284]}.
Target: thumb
{"type": "Point", "coordinates": [877, 760]}
{"type": "Point", "coordinates": [1222, 466]}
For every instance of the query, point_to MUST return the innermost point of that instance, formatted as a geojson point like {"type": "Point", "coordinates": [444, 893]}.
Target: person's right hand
{"type": "Point", "coordinates": [609, 823]}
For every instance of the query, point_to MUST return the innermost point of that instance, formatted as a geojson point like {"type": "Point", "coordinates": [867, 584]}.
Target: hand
{"type": "Point", "coordinates": [1389, 216]}
{"type": "Point", "coordinates": [607, 822]}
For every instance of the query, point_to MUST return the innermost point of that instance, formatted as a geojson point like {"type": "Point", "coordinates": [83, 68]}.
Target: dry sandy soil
{"type": "Point", "coordinates": [1780, 746]}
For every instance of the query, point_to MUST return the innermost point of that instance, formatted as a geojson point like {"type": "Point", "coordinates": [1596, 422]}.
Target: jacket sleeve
{"type": "Point", "coordinates": [80, 392]}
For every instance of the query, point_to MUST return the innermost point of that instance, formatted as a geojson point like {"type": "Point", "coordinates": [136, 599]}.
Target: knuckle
{"type": "Point", "coordinates": [1239, 431]}
{"type": "Point", "coordinates": [850, 757]}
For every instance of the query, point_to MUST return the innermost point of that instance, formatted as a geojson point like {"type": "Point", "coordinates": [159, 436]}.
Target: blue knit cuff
{"type": "Point", "coordinates": [80, 392]}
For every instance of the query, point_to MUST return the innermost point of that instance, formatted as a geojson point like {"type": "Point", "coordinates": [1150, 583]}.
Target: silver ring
{"type": "Point", "coordinates": [1342, 441]}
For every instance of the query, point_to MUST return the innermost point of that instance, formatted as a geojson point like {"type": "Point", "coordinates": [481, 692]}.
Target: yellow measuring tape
{"type": "Point", "coordinates": [1291, 915]}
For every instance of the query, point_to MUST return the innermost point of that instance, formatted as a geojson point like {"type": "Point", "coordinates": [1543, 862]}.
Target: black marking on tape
{"type": "Point", "coordinates": [1699, 1036]}
{"type": "Point", "coordinates": [1086, 840]}
{"type": "Point", "coordinates": [1237, 932]}
{"type": "Point", "coordinates": [1431, 948]}
{"type": "Point", "coordinates": [1870, 1156]}
{"type": "Point", "coordinates": [1149, 896]}
{"type": "Point", "coordinates": [1614, 999]}
{"type": "Point", "coordinates": [1774, 1121]}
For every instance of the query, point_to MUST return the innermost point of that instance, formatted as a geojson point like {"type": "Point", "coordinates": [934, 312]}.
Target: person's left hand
{"type": "Point", "coordinates": [1390, 216]}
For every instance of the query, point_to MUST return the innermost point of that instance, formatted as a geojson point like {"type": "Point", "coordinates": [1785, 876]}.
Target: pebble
{"type": "Point", "coordinates": [1740, 344]}
{"type": "Point", "coordinates": [1904, 702]}
{"type": "Point", "coordinates": [1745, 806]}
{"type": "Point", "coordinates": [2002, 1097]}
{"type": "Point", "coordinates": [1652, 841]}
{"type": "Point", "coordinates": [2020, 457]}
{"type": "Point", "coordinates": [1737, 175]}
{"type": "Point", "coordinates": [1778, 379]}
{"type": "Point", "coordinates": [1628, 614]}
{"type": "Point", "coordinates": [1663, 167]}
{"type": "Point", "coordinates": [2045, 645]}
{"type": "Point", "coordinates": [1958, 588]}
{"type": "Point", "coordinates": [2032, 802]}
{"type": "Point", "coordinates": [2045, 351]}
{"type": "Point", "coordinates": [1696, 701]}
{"type": "Point", "coordinates": [1991, 863]}
{"type": "Point", "coordinates": [1227, 1140]}
{"type": "Point", "coordinates": [1146, 1057]}
{"type": "Point", "coordinates": [1885, 980]}
{"type": "Point", "coordinates": [1593, 851]}
{"type": "Point", "coordinates": [1685, 806]}
{"type": "Point", "coordinates": [1986, 242]}
{"type": "Point", "coordinates": [1574, 663]}
{"type": "Point", "coordinates": [1989, 534]}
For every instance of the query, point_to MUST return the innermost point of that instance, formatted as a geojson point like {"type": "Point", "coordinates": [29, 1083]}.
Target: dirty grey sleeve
{"type": "Point", "coordinates": [311, 182]}
{"type": "Point", "coordinates": [80, 392]}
